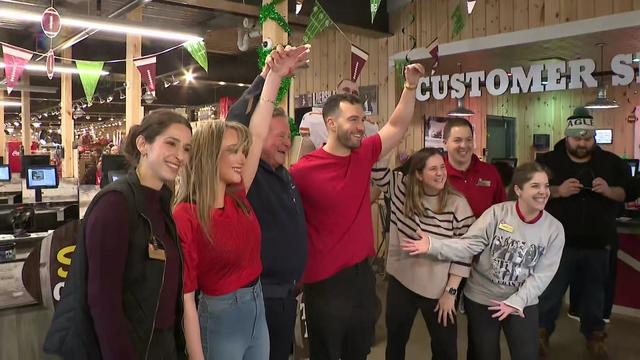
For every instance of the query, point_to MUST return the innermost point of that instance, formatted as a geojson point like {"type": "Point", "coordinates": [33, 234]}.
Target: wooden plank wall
{"type": "Point", "coordinates": [330, 63]}
{"type": "Point", "coordinates": [543, 113]}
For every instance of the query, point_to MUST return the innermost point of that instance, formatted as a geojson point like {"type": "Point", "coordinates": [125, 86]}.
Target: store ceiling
{"type": "Point", "coordinates": [621, 41]}
{"type": "Point", "coordinates": [217, 21]}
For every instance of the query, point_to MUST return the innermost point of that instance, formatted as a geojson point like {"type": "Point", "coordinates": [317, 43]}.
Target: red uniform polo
{"type": "Point", "coordinates": [480, 184]}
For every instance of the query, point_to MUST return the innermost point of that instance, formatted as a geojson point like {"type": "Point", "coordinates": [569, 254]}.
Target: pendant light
{"type": "Point", "coordinates": [601, 101]}
{"type": "Point", "coordinates": [460, 110]}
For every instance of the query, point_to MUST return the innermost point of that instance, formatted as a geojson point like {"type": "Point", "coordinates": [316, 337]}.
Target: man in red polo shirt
{"type": "Point", "coordinates": [478, 181]}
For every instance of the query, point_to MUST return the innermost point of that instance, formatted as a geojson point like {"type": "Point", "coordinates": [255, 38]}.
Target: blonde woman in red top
{"type": "Point", "coordinates": [220, 234]}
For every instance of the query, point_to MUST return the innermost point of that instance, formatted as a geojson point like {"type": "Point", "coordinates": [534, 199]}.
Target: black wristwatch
{"type": "Point", "coordinates": [452, 291]}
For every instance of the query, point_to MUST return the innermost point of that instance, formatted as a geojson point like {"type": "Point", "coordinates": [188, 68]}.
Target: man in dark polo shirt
{"type": "Point", "coordinates": [277, 204]}
{"type": "Point", "coordinates": [478, 181]}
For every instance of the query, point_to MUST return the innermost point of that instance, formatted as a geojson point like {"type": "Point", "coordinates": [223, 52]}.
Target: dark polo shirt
{"type": "Point", "coordinates": [278, 207]}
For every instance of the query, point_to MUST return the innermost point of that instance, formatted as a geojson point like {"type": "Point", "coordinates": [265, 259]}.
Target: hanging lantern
{"type": "Point", "coordinates": [51, 60]}
{"type": "Point", "coordinates": [50, 22]}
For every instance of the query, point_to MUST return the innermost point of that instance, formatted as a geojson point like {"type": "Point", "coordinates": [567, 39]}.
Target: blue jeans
{"type": "Point", "coordinates": [590, 268]}
{"type": "Point", "coordinates": [233, 326]}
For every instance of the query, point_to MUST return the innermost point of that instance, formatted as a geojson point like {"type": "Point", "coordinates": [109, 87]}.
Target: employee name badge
{"type": "Point", "coordinates": [505, 227]}
{"type": "Point", "coordinates": [156, 254]}
{"type": "Point", "coordinates": [484, 183]}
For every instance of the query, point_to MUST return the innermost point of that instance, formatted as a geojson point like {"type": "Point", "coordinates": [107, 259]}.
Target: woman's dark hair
{"type": "Point", "coordinates": [152, 125]}
{"type": "Point", "coordinates": [523, 174]}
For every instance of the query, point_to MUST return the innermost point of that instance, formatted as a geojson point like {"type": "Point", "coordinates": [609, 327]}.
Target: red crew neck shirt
{"type": "Point", "coordinates": [335, 195]}
{"type": "Point", "coordinates": [480, 184]}
{"type": "Point", "coordinates": [229, 261]}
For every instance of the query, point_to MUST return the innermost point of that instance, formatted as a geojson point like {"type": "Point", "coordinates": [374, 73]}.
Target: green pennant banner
{"type": "Point", "coordinates": [199, 52]}
{"type": "Point", "coordinates": [458, 21]}
{"type": "Point", "coordinates": [375, 4]}
{"type": "Point", "coordinates": [89, 72]}
{"type": "Point", "coordinates": [318, 21]}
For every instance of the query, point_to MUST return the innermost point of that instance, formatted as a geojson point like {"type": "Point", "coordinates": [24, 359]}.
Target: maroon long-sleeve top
{"type": "Point", "coordinates": [107, 238]}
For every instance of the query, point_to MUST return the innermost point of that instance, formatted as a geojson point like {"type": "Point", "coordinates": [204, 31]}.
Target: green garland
{"type": "Point", "coordinates": [270, 12]}
{"type": "Point", "coordinates": [294, 129]}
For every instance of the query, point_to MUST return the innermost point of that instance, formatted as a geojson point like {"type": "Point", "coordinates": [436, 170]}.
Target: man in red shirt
{"type": "Point", "coordinates": [478, 181]}
{"type": "Point", "coordinates": [334, 186]}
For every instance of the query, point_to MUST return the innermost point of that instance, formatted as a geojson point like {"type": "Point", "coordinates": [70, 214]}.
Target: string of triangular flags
{"type": "Point", "coordinates": [16, 59]}
{"type": "Point", "coordinates": [319, 21]}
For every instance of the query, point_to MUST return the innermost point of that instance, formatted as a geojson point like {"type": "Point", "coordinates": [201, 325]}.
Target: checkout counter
{"type": "Point", "coordinates": [627, 298]}
{"type": "Point", "coordinates": [28, 261]}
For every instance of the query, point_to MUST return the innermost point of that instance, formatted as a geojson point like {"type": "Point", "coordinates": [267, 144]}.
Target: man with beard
{"type": "Point", "coordinates": [333, 181]}
{"type": "Point", "coordinates": [587, 188]}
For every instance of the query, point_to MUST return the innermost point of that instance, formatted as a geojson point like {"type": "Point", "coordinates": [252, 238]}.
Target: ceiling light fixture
{"type": "Point", "coordinates": [113, 26]}
{"type": "Point", "coordinates": [175, 81]}
{"type": "Point", "coordinates": [188, 76]}
{"type": "Point", "coordinates": [58, 69]}
{"type": "Point", "coordinates": [601, 101]}
{"type": "Point", "coordinates": [148, 97]}
{"type": "Point", "coordinates": [10, 103]}
{"type": "Point", "coordinates": [122, 95]}
{"type": "Point", "coordinates": [166, 83]}
{"type": "Point", "coordinates": [109, 98]}
{"type": "Point", "coordinates": [635, 58]}
{"type": "Point", "coordinates": [460, 110]}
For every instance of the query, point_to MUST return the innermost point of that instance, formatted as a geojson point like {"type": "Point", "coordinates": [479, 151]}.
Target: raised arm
{"type": "Point", "coordinates": [392, 132]}
{"type": "Point", "coordinates": [282, 63]}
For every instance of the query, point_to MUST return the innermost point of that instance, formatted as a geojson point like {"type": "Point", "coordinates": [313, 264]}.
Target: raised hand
{"type": "Point", "coordinates": [413, 73]}
{"type": "Point", "coordinates": [283, 61]}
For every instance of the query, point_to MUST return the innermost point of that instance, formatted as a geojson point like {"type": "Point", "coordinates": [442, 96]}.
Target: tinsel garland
{"type": "Point", "coordinates": [269, 11]}
{"type": "Point", "coordinates": [294, 129]}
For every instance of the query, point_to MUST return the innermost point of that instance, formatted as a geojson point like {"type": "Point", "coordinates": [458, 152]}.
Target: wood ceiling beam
{"type": "Point", "coordinates": [253, 11]}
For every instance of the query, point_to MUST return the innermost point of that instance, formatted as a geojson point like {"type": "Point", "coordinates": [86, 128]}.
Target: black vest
{"type": "Point", "coordinates": [72, 334]}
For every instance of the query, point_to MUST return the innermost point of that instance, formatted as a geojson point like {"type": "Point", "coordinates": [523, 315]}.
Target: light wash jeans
{"type": "Point", "coordinates": [233, 326]}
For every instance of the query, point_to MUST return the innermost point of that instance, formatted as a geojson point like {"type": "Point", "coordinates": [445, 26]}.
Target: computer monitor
{"type": "Point", "coordinates": [5, 173]}
{"type": "Point", "coordinates": [604, 136]}
{"type": "Point", "coordinates": [634, 165]}
{"type": "Point", "coordinates": [32, 160]}
{"type": "Point", "coordinates": [42, 177]}
{"type": "Point", "coordinates": [513, 162]}
{"type": "Point", "coordinates": [112, 164]}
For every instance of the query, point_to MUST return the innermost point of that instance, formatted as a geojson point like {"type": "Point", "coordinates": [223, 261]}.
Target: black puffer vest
{"type": "Point", "coordinates": [72, 334]}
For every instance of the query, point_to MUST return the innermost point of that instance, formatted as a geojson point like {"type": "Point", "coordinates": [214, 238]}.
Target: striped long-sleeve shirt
{"type": "Point", "coordinates": [422, 274]}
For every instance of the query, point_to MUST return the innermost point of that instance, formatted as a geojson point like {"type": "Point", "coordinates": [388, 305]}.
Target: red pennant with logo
{"type": "Point", "coordinates": [147, 68]}
{"type": "Point", "coordinates": [358, 58]}
{"type": "Point", "coordinates": [15, 60]}
{"type": "Point", "coordinates": [435, 55]}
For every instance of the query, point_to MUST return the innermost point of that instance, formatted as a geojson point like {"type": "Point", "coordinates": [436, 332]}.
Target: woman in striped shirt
{"type": "Point", "coordinates": [422, 200]}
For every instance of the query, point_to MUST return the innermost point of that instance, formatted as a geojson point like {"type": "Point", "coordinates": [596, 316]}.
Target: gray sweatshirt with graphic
{"type": "Point", "coordinates": [517, 260]}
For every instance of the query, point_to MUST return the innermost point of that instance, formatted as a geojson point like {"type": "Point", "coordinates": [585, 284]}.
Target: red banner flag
{"type": "Point", "coordinates": [15, 60]}
{"type": "Point", "coordinates": [147, 68]}
{"type": "Point", "coordinates": [358, 58]}
{"type": "Point", "coordinates": [432, 49]}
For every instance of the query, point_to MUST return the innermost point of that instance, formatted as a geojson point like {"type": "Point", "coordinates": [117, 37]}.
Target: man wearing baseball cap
{"type": "Point", "coordinates": [588, 185]}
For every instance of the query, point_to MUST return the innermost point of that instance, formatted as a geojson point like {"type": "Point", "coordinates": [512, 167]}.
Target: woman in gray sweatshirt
{"type": "Point", "coordinates": [421, 199]}
{"type": "Point", "coordinates": [519, 246]}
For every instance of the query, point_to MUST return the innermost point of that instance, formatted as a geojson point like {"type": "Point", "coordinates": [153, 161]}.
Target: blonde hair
{"type": "Point", "coordinates": [413, 204]}
{"type": "Point", "coordinates": [200, 178]}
